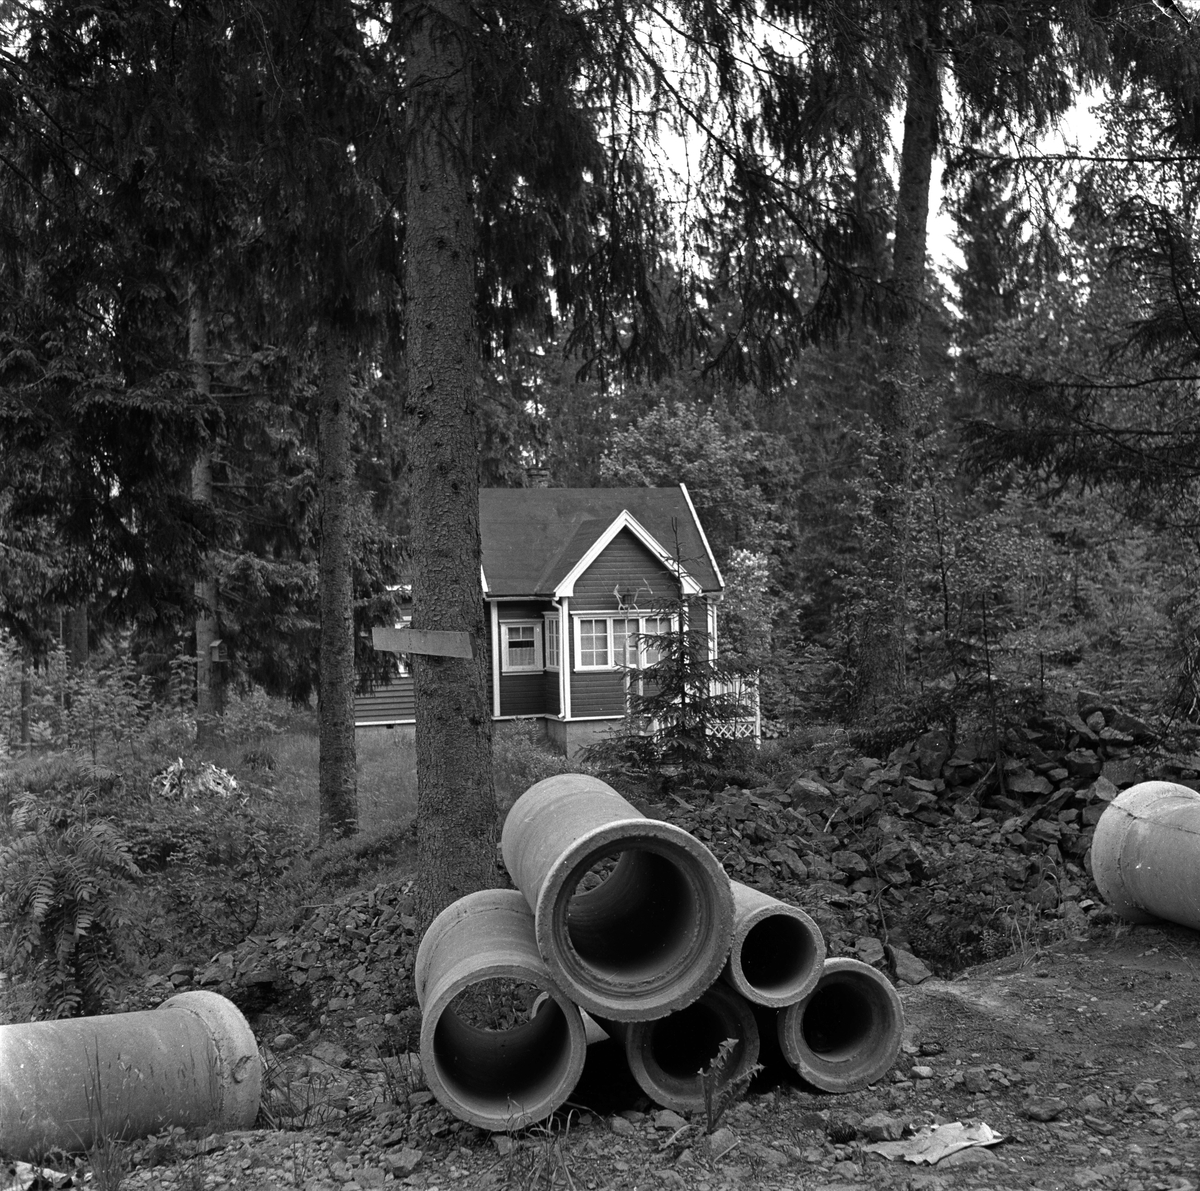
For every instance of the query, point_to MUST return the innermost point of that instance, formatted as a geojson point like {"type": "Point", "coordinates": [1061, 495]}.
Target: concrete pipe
{"type": "Point", "coordinates": [497, 1079]}
{"type": "Point", "coordinates": [651, 937]}
{"type": "Point", "coordinates": [1146, 854]}
{"type": "Point", "coordinates": [65, 1085]}
{"type": "Point", "coordinates": [667, 1056]}
{"type": "Point", "coordinates": [777, 949]}
{"type": "Point", "coordinates": [846, 1033]}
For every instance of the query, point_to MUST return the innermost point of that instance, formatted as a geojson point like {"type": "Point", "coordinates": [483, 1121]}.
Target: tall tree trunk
{"type": "Point", "coordinates": [337, 773]}
{"type": "Point", "coordinates": [456, 808]}
{"type": "Point", "coordinates": [882, 627]}
{"type": "Point", "coordinates": [208, 670]}
{"type": "Point", "coordinates": [75, 636]}
{"type": "Point", "coordinates": [26, 697]}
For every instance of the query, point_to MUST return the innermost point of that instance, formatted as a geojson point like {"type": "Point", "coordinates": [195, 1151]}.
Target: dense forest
{"type": "Point", "coordinates": [284, 283]}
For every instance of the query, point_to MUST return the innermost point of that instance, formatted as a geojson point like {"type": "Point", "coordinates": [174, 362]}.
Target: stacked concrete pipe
{"type": "Point", "coordinates": [652, 937]}
{"type": "Point", "coordinates": [496, 1079]}
{"type": "Point", "coordinates": [1146, 854]}
{"type": "Point", "coordinates": [847, 1032]}
{"type": "Point", "coordinates": [65, 1085]}
{"type": "Point", "coordinates": [667, 1056]}
{"type": "Point", "coordinates": [643, 951]}
{"type": "Point", "coordinates": [777, 951]}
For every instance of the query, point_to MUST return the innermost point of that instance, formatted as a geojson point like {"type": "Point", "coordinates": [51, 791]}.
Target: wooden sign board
{"type": "Point", "coordinates": [430, 642]}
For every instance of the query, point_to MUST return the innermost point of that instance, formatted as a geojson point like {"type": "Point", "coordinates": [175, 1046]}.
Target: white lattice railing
{"type": "Point", "coordinates": [748, 725]}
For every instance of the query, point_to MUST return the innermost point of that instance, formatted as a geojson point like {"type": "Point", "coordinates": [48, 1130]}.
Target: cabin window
{"type": "Point", "coordinates": [522, 646]}
{"type": "Point", "coordinates": [618, 642]}
{"type": "Point", "coordinates": [552, 642]}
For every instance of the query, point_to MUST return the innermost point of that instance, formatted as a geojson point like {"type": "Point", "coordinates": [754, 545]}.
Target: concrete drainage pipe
{"type": "Point", "coordinates": [498, 1079]}
{"type": "Point", "coordinates": [1146, 854]}
{"type": "Point", "coordinates": [666, 1056]}
{"type": "Point", "coordinates": [64, 1085]}
{"type": "Point", "coordinates": [846, 1033]}
{"type": "Point", "coordinates": [648, 938]}
{"type": "Point", "coordinates": [777, 950]}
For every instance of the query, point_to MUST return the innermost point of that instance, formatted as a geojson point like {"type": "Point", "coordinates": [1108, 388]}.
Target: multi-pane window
{"type": "Point", "coordinates": [593, 643]}
{"type": "Point", "coordinates": [653, 626]}
{"type": "Point", "coordinates": [552, 643]}
{"type": "Point", "coordinates": [618, 642]}
{"type": "Point", "coordinates": [522, 646]}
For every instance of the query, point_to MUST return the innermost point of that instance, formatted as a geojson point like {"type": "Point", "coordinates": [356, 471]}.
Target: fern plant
{"type": "Point", "coordinates": [60, 878]}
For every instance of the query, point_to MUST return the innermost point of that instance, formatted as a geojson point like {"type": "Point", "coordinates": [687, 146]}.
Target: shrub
{"type": "Point", "coordinates": [522, 757]}
{"type": "Point", "coordinates": [61, 875]}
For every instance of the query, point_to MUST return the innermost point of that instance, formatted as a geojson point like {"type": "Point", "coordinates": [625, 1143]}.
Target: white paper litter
{"type": "Point", "coordinates": [932, 1143]}
{"type": "Point", "coordinates": [19, 1176]}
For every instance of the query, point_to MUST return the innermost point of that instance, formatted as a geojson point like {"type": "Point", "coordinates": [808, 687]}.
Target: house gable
{"type": "Point", "coordinates": [537, 541]}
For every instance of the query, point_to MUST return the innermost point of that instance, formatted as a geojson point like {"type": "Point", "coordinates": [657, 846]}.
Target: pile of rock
{"type": "Point", "coordinates": [956, 852]}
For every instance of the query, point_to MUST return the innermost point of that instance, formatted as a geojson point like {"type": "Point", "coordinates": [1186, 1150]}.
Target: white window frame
{"type": "Point", "coordinates": [640, 661]}
{"type": "Point", "coordinates": [506, 663]}
{"type": "Point", "coordinates": [577, 626]}
{"type": "Point", "coordinates": [553, 633]}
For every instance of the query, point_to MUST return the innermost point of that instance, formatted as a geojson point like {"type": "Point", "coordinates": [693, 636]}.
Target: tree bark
{"type": "Point", "coordinates": [882, 626]}
{"type": "Point", "coordinates": [26, 698]}
{"type": "Point", "coordinates": [208, 670]}
{"type": "Point", "coordinates": [337, 770]}
{"type": "Point", "coordinates": [456, 809]}
{"type": "Point", "coordinates": [75, 636]}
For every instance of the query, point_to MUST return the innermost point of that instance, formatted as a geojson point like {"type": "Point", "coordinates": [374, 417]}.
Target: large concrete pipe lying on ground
{"type": "Point", "coordinates": [1146, 854]}
{"type": "Point", "coordinates": [777, 950]}
{"type": "Point", "coordinates": [65, 1085]}
{"type": "Point", "coordinates": [496, 1079]}
{"type": "Point", "coordinates": [667, 1056]}
{"type": "Point", "coordinates": [650, 938]}
{"type": "Point", "coordinates": [847, 1032]}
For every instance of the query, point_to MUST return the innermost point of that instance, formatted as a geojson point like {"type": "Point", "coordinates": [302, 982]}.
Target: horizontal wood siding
{"type": "Point", "coordinates": [522, 609]}
{"type": "Point", "coordinates": [550, 694]}
{"type": "Point", "coordinates": [599, 693]}
{"type": "Point", "coordinates": [389, 703]}
{"type": "Point", "coordinates": [628, 564]}
{"type": "Point", "coordinates": [523, 694]}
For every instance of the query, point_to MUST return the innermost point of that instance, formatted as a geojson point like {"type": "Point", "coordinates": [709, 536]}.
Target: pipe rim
{"type": "Point", "coordinates": [500, 1112]}
{"type": "Point", "coordinates": [869, 1047]}
{"type": "Point", "coordinates": [734, 1018]}
{"type": "Point", "coordinates": [238, 1078]}
{"type": "Point", "coordinates": [682, 981]}
{"type": "Point", "coordinates": [803, 979]}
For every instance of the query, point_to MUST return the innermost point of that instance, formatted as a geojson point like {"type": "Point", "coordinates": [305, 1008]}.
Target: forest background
{"type": "Point", "coordinates": [284, 283]}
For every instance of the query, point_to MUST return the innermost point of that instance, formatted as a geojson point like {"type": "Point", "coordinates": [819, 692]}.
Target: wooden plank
{"type": "Point", "coordinates": [431, 642]}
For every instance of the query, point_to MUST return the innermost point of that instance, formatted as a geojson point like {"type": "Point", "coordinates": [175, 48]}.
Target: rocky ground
{"type": "Point", "coordinates": [1074, 1037]}
{"type": "Point", "coordinates": [1083, 1056]}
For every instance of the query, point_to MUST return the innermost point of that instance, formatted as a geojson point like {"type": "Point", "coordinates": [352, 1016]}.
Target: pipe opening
{"type": "Point", "coordinates": [840, 1019]}
{"type": "Point", "coordinates": [777, 953]}
{"type": "Point", "coordinates": [685, 1043]}
{"type": "Point", "coordinates": [642, 919]}
{"type": "Point", "coordinates": [520, 1065]}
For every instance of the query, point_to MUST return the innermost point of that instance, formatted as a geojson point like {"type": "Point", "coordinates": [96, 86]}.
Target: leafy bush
{"type": "Point", "coordinates": [522, 757]}
{"type": "Point", "coordinates": [61, 876]}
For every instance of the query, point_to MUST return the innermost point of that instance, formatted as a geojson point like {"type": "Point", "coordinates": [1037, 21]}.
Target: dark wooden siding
{"type": "Point", "coordinates": [522, 609]}
{"type": "Point", "coordinates": [550, 695]}
{"type": "Point", "coordinates": [626, 563]}
{"type": "Point", "coordinates": [390, 703]}
{"type": "Point", "coordinates": [600, 692]}
{"type": "Point", "coordinates": [524, 694]}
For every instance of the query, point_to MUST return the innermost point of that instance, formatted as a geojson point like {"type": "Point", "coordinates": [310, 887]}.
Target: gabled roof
{"type": "Point", "coordinates": [534, 539]}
